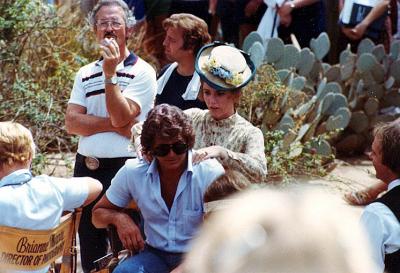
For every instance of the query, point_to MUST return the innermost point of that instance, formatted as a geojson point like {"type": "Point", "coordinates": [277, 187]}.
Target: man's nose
{"type": "Point", "coordinates": [213, 99]}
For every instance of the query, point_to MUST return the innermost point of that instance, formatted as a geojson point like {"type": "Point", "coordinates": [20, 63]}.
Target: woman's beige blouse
{"type": "Point", "coordinates": [245, 143]}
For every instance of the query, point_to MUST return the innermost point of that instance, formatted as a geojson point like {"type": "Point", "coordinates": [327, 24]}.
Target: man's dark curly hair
{"type": "Point", "coordinates": [166, 121]}
{"type": "Point", "coordinates": [389, 136]}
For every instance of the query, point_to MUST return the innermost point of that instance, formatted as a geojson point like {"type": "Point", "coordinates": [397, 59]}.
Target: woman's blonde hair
{"type": "Point", "coordinates": [16, 144]}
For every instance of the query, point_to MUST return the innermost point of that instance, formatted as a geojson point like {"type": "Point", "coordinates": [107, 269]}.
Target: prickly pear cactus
{"type": "Point", "coordinates": [253, 37]}
{"type": "Point", "coordinates": [314, 98]}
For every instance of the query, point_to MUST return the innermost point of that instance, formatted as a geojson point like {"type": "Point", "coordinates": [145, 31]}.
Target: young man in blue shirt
{"type": "Point", "coordinates": [168, 191]}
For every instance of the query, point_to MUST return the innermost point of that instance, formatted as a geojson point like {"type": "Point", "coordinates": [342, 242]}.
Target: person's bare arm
{"type": "Point", "coordinates": [79, 123]}
{"type": "Point", "coordinates": [94, 188]}
{"type": "Point", "coordinates": [286, 8]}
{"type": "Point", "coordinates": [105, 213]}
{"type": "Point", "coordinates": [212, 6]}
{"type": "Point", "coordinates": [251, 7]}
{"type": "Point", "coordinates": [120, 109]}
{"type": "Point", "coordinates": [341, 4]}
{"type": "Point", "coordinates": [359, 30]}
{"type": "Point", "coordinates": [93, 185]}
{"type": "Point", "coordinates": [376, 12]}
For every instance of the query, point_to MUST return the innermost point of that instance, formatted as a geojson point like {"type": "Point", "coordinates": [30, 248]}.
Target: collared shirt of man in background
{"type": "Point", "coordinates": [178, 83]}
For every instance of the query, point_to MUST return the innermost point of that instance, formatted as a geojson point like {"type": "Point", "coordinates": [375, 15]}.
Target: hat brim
{"type": "Point", "coordinates": [214, 81]}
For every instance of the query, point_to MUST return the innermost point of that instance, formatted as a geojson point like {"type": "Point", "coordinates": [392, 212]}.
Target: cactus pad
{"type": "Point", "coordinates": [320, 46]}
{"type": "Point", "coordinates": [250, 39]}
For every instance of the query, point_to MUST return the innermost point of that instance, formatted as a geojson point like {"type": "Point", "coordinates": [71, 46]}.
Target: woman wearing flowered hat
{"type": "Point", "coordinates": [220, 131]}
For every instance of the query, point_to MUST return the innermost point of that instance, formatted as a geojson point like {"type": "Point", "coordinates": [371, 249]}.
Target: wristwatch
{"type": "Point", "coordinates": [113, 80]}
{"type": "Point", "coordinates": [292, 5]}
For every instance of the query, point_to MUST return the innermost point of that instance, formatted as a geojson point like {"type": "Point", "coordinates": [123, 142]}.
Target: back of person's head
{"type": "Point", "coordinates": [229, 183]}
{"type": "Point", "coordinates": [16, 144]}
{"type": "Point", "coordinates": [217, 195]}
{"type": "Point", "coordinates": [194, 30]}
{"type": "Point", "coordinates": [128, 16]}
{"type": "Point", "coordinates": [166, 121]}
{"type": "Point", "coordinates": [389, 136]}
{"type": "Point", "coordinates": [267, 231]}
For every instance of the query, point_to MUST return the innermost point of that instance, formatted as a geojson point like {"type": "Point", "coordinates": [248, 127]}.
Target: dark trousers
{"type": "Point", "coordinates": [93, 241]}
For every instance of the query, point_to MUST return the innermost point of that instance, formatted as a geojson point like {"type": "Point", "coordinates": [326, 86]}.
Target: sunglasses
{"type": "Point", "coordinates": [164, 149]}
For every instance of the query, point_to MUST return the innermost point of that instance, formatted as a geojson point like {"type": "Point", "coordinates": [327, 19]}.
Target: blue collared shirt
{"type": "Point", "coordinates": [168, 230]}
{"type": "Point", "coordinates": [37, 203]}
{"type": "Point", "coordinates": [383, 229]}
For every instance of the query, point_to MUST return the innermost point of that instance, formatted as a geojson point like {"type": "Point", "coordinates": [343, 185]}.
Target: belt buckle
{"type": "Point", "coordinates": [92, 163]}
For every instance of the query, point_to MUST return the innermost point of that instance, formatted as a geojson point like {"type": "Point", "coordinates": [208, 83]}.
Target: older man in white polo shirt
{"type": "Point", "coordinates": [108, 96]}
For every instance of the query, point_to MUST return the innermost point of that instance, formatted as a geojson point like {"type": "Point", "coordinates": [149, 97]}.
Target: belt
{"type": "Point", "coordinates": [94, 163]}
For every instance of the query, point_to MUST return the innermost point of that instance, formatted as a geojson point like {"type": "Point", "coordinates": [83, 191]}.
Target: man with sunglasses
{"type": "Point", "coordinates": [108, 96]}
{"type": "Point", "coordinates": [169, 192]}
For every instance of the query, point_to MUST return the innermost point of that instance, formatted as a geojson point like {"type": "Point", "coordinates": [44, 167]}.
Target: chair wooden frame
{"type": "Point", "coordinates": [24, 249]}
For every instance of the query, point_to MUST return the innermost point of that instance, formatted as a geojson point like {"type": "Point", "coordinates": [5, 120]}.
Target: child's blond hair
{"type": "Point", "coordinates": [16, 144]}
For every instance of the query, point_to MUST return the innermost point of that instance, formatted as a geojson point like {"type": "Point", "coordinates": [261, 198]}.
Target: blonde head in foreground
{"type": "Point", "coordinates": [16, 145]}
{"type": "Point", "coordinates": [267, 231]}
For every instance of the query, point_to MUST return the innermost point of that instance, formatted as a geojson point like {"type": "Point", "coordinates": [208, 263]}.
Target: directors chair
{"type": "Point", "coordinates": [23, 249]}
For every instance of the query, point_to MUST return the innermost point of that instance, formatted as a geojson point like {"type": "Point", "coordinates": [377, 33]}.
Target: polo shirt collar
{"type": "Point", "coordinates": [18, 177]}
{"type": "Point", "coordinates": [393, 184]}
{"type": "Point", "coordinates": [130, 60]}
{"type": "Point", "coordinates": [153, 165]}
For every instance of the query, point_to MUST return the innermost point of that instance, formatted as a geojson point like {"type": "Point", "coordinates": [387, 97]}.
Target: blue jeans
{"type": "Point", "coordinates": [150, 260]}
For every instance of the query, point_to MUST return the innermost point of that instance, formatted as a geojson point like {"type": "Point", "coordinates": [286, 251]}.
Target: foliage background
{"type": "Point", "coordinates": [41, 49]}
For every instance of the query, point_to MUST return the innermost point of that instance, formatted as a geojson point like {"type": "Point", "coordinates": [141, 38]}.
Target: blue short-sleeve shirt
{"type": "Point", "coordinates": [168, 230]}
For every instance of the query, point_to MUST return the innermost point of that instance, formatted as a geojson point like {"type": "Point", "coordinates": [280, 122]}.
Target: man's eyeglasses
{"type": "Point", "coordinates": [104, 24]}
{"type": "Point", "coordinates": [164, 149]}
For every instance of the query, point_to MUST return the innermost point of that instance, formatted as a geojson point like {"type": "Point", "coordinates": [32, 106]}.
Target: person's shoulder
{"type": "Point", "coordinates": [241, 121]}
{"type": "Point", "coordinates": [136, 165]}
{"type": "Point", "coordinates": [208, 165]}
{"type": "Point", "coordinates": [90, 66]}
{"type": "Point", "coordinates": [378, 209]}
{"type": "Point", "coordinates": [90, 69]}
{"type": "Point", "coordinates": [195, 113]}
{"type": "Point", "coordinates": [162, 71]}
{"type": "Point", "coordinates": [144, 66]}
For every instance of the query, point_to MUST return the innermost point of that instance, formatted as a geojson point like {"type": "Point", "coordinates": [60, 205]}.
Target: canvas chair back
{"type": "Point", "coordinates": [23, 249]}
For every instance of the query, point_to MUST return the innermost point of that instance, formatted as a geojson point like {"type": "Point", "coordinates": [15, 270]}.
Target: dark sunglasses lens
{"type": "Point", "coordinates": [161, 150]}
{"type": "Point", "coordinates": [179, 148]}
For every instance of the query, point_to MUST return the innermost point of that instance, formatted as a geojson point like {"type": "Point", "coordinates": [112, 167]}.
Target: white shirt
{"type": "Point", "coordinates": [137, 80]}
{"type": "Point", "coordinates": [383, 229]}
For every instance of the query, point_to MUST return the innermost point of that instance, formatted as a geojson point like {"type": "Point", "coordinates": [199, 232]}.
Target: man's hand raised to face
{"type": "Point", "coordinates": [111, 56]}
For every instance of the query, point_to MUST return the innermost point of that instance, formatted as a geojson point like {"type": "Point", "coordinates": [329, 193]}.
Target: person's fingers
{"type": "Point", "coordinates": [127, 242]}
{"type": "Point", "coordinates": [196, 158]}
{"type": "Point", "coordinates": [140, 242]}
{"type": "Point", "coordinates": [107, 53]}
{"type": "Point", "coordinates": [115, 46]}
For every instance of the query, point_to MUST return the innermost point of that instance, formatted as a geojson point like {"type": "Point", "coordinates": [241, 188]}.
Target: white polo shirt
{"type": "Point", "coordinates": [137, 80]}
